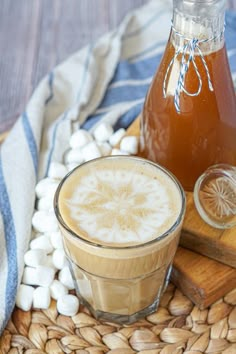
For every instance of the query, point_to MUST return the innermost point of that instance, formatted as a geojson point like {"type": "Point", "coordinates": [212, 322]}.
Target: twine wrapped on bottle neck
{"type": "Point", "coordinates": [187, 52]}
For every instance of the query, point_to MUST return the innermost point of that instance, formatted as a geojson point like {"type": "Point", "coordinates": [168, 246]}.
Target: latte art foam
{"type": "Point", "coordinates": [119, 203]}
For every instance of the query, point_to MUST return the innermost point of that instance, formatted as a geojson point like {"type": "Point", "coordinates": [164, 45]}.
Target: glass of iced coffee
{"type": "Point", "coordinates": [120, 217]}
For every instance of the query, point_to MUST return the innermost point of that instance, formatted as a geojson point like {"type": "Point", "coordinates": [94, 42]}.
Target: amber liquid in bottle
{"type": "Point", "coordinates": [203, 133]}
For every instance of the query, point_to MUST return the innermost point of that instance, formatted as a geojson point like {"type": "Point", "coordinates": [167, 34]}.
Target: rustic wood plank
{"type": "Point", "coordinates": [18, 42]}
{"type": "Point", "coordinates": [37, 35]}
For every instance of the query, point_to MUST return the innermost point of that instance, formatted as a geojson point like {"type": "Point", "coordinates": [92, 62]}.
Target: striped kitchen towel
{"type": "Point", "coordinates": [105, 81]}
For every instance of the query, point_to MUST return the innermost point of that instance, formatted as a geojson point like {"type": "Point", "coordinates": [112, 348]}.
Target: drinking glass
{"type": "Point", "coordinates": [121, 283]}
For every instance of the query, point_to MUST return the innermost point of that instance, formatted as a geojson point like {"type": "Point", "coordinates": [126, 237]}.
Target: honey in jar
{"type": "Point", "coordinates": [189, 116]}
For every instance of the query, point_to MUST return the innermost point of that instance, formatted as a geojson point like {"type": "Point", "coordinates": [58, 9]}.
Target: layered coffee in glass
{"type": "Point", "coordinates": [120, 218]}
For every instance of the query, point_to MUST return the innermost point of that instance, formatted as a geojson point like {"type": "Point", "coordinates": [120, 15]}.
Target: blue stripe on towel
{"type": "Point", "coordinates": [11, 247]}
{"type": "Point", "coordinates": [50, 84]}
{"type": "Point", "coordinates": [230, 37]}
{"type": "Point", "coordinates": [139, 70]}
{"type": "Point", "coordinates": [91, 120]}
{"type": "Point", "coordinates": [231, 21]}
{"type": "Point", "coordinates": [232, 62]}
{"type": "Point", "coordinates": [124, 94]}
{"type": "Point", "coordinates": [126, 119]}
{"type": "Point", "coordinates": [30, 140]}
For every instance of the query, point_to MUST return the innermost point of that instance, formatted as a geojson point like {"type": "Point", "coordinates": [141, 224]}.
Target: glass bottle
{"type": "Point", "coordinates": [188, 121]}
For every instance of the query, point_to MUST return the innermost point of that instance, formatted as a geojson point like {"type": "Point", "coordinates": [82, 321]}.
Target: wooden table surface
{"type": "Point", "coordinates": [35, 35]}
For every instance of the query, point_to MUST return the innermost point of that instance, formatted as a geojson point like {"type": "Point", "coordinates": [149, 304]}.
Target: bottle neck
{"type": "Point", "coordinates": [203, 21]}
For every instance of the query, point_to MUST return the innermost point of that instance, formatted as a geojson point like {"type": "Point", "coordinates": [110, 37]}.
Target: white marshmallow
{"type": "Point", "coordinates": [35, 257]}
{"type": "Point", "coordinates": [41, 298]}
{"type": "Point", "coordinates": [44, 221]}
{"type": "Point", "coordinates": [45, 187]}
{"type": "Point", "coordinates": [57, 289]}
{"type": "Point", "coordinates": [103, 132]}
{"type": "Point", "coordinates": [49, 263]}
{"type": "Point", "coordinates": [118, 152]}
{"type": "Point", "coordinates": [74, 156]}
{"type": "Point", "coordinates": [68, 305]}
{"type": "Point", "coordinates": [71, 166]}
{"type": "Point", "coordinates": [41, 276]}
{"type": "Point", "coordinates": [45, 275]}
{"type": "Point", "coordinates": [30, 276]}
{"type": "Point", "coordinates": [24, 297]}
{"type": "Point", "coordinates": [117, 136]}
{"type": "Point", "coordinates": [80, 138]}
{"type": "Point", "coordinates": [57, 170]}
{"type": "Point", "coordinates": [105, 148]}
{"type": "Point", "coordinates": [56, 240]}
{"type": "Point", "coordinates": [42, 243]}
{"type": "Point", "coordinates": [91, 151]}
{"type": "Point", "coordinates": [65, 278]}
{"type": "Point", "coordinates": [45, 203]}
{"type": "Point", "coordinates": [59, 259]}
{"type": "Point", "coordinates": [129, 144]}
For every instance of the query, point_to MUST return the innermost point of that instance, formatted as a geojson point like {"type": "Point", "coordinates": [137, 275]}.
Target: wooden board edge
{"type": "Point", "coordinates": [198, 295]}
{"type": "Point", "coordinates": [201, 286]}
{"type": "Point", "coordinates": [200, 245]}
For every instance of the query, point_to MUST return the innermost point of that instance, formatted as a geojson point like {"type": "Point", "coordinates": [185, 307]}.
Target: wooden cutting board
{"type": "Point", "coordinates": [202, 279]}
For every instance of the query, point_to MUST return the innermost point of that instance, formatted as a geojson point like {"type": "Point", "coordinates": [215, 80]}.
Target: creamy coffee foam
{"type": "Point", "coordinates": [119, 202]}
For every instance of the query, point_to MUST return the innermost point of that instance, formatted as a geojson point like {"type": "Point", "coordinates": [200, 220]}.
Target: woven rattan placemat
{"type": "Point", "coordinates": [177, 327]}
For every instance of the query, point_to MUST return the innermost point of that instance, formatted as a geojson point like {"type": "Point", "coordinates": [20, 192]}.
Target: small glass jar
{"type": "Point", "coordinates": [215, 196]}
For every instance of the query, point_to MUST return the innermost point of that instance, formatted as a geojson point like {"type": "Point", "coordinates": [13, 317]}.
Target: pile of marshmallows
{"type": "Point", "coordinates": [46, 272]}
